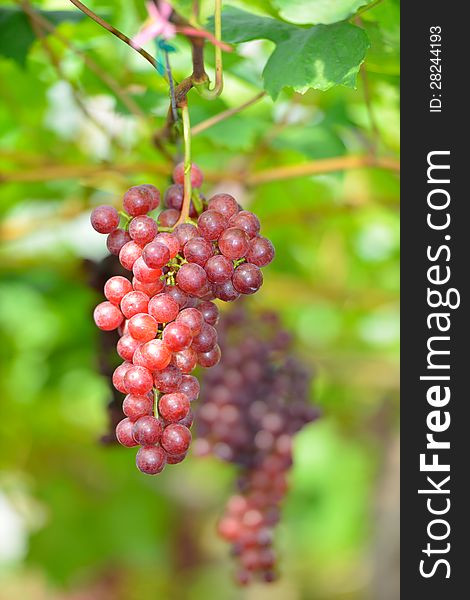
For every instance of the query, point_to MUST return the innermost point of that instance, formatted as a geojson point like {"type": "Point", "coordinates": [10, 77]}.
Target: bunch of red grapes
{"type": "Point", "coordinates": [164, 311]}
{"type": "Point", "coordinates": [253, 403]}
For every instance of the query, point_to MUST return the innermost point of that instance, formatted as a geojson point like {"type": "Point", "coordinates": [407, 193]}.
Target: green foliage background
{"type": "Point", "coordinates": [77, 520]}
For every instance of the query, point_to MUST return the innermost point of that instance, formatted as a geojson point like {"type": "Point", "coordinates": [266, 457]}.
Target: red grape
{"type": "Point", "coordinates": [144, 273]}
{"type": "Point", "coordinates": [174, 196]}
{"type": "Point", "coordinates": [133, 303]}
{"type": "Point", "coordinates": [129, 253]}
{"type": "Point", "coordinates": [163, 308]}
{"type": "Point", "coordinates": [104, 219]}
{"type": "Point", "coordinates": [138, 200]}
{"type": "Point", "coordinates": [177, 336]}
{"type": "Point", "coordinates": [185, 232]}
{"type": "Point", "coordinates": [151, 289]}
{"type": "Point", "coordinates": [126, 347]}
{"type": "Point", "coordinates": [116, 240]}
{"type": "Point", "coordinates": [191, 278]}
{"type": "Point", "coordinates": [155, 355]}
{"type": "Point", "coordinates": [116, 288]}
{"type": "Point", "coordinates": [192, 318]}
{"type": "Point", "coordinates": [147, 430]}
{"type": "Point", "coordinates": [143, 327]}
{"type": "Point", "coordinates": [173, 407]}
{"type": "Point", "coordinates": [196, 175]}
{"type": "Point", "coordinates": [260, 252]}
{"type": "Point", "coordinates": [233, 243]}
{"type": "Point", "coordinates": [219, 269]}
{"type": "Point", "coordinates": [209, 358]}
{"type": "Point", "coordinates": [226, 292]}
{"type": "Point", "coordinates": [190, 386]}
{"type": "Point", "coordinates": [143, 229]}
{"type": "Point", "coordinates": [118, 376]}
{"type": "Point", "coordinates": [206, 339]}
{"type": "Point", "coordinates": [185, 360]}
{"type": "Point", "coordinates": [170, 241]}
{"type": "Point", "coordinates": [247, 221]}
{"type": "Point", "coordinates": [198, 250]}
{"type": "Point", "coordinates": [138, 380]}
{"type": "Point", "coordinates": [225, 204]}
{"type": "Point", "coordinates": [168, 217]}
{"type": "Point", "coordinates": [151, 460]}
{"type": "Point", "coordinates": [156, 255]}
{"type": "Point", "coordinates": [211, 224]}
{"type": "Point", "coordinates": [168, 379]}
{"type": "Point", "coordinates": [135, 407]}
{"type": "Point", "coordinates": [247, 278]}
{"type": "Point", "coordinates": [124, 433]}
{"type": "Point", "coordinates": [107, 316]}
{"type": "Point", "coordinates": [176, 438]}
{"type": "Point", "coordinates": [210, 312]}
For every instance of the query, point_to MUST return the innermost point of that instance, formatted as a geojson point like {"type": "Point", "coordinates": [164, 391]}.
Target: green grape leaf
{"type": "Point", "coordinates": [317, 11]}
{"type": "Point", "coordinates": [241, 26]}
{"type": "Point", "coordinates": [318, 57]}
{"type": "Point", "coordinates": [17, 34]}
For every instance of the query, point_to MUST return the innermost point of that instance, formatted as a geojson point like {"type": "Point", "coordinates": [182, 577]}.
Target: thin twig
{"type": "Point", "coordinates": [40, 34]}
{"type": "Point", "coordinates": [316, 167]}
{"type": "Point", "coordinates": [122, 36]}
{"type": "Point", "coordinates": [323, 166]}
{"type": "Point", "coordinates": [109, 81]}
{"type": "Point", "coordinates": [226, 114]}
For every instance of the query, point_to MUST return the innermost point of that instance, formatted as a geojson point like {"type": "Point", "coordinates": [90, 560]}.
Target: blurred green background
{"type": "Point", "coordinates": [77, 520]}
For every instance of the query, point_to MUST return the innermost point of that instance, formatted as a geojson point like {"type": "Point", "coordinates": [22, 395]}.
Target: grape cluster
{"type": "Point", "coordinates": [164, 313]}
{"type": "Point", "coordinates": [253, 403]}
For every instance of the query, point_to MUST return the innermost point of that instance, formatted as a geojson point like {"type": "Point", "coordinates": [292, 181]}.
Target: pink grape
{"type": "Point", "coordinates": [104, 219]}
{"type": "Point", "coordinates": [138, 380]}
{"type": "Point", "coordinates": [233, 243]}
{"type": "Point", "coordinates": [151, 460]}
{"type": "Point", "coordinates": [177, 336]}
{"type": "Point", "coordinates": [163, 308]}
{"type": "Point", "coordinates": [156, 255]}
{"type": "Point", "coordinates": [196, 175]}
{"type": "Point", "coordinates": [144, 273]}
{"type": "Point", "coordinates": [143, 327]}
{"type": "Point", "coordinates": [225, 204]}
{"type": "Point", "coordinates": [155, 355]}
{"type": "Point", "coordinates": [129, 253]}
{"type": "Point", "coordinates": [118, 376]}
{"type": "Point", "coordinates": [135, 407]}
{"type": "Point", "coordinates": [147, 430]}
{"type": "Point", "coordinates": [211, 224]}
{"type": "Point", "coordinates": [126, 347]}
{"type": "Point", "coordinates": [176, 438]}
{"type": "Point", "coordinates": [124, 433]}
{"type": "Point", "coordinates": [173, 407]}
{"type": "Point", "coordinates": [260, 252]}
{"type": "Point", "coordinates": [107, 316]}
{"type": "Point", "coordinates": [143, 229]}
{"type": "Point", "coordinates": [247, 278]}
{"type": "Point", "coordinates": [138, 200]}
{"type": "Point", "coordinates": [116, 288]}
{"type": "Point", "coordinates": [116, 240]}
{"type": "Point", "coordinates": [133, 303]}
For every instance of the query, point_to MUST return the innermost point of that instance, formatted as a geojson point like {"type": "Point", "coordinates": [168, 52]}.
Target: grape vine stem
{"type": "Point", "coordinates": [226, 114]}
{"type": "Point", "coordinates": [122, 36]}
{"type": "Point", "coordinates": [187, 164]}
